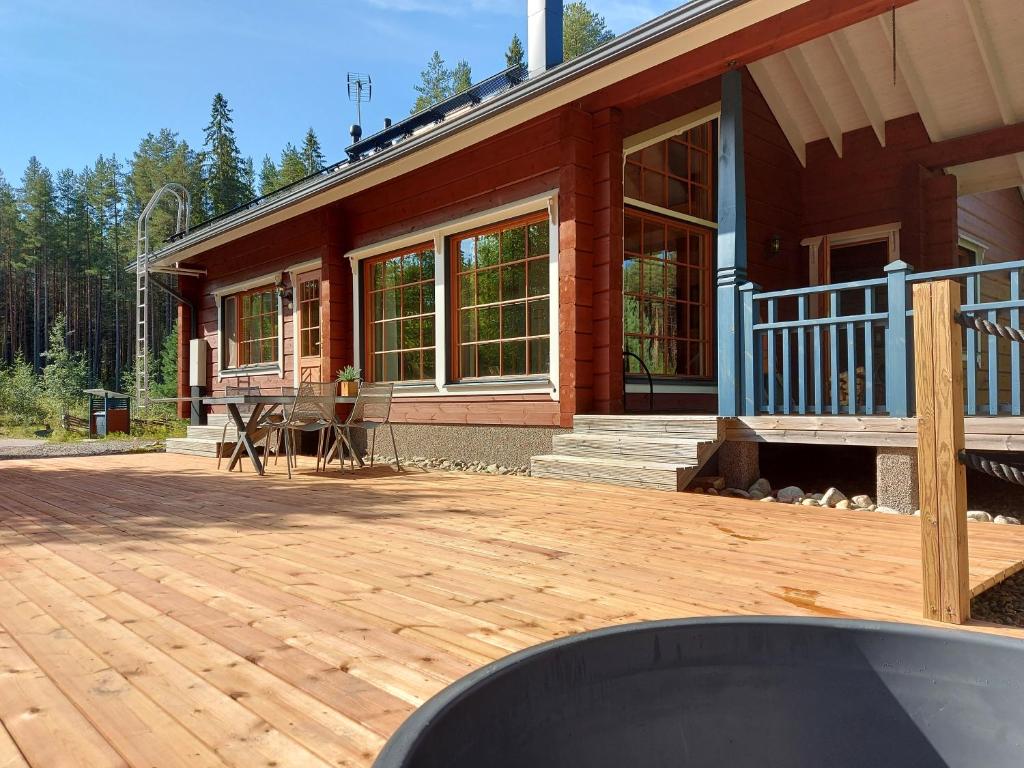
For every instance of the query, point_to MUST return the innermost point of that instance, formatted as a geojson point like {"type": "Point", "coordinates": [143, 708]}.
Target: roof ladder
{"type": "Point", "coordinates": [142, 278]}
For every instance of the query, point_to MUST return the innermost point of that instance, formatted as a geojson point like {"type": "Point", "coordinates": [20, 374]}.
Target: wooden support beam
{"type": "Point", "coordinates": [855, 73]}
{"type": "Point", "coordinates": [759, 70]}
{"type": "Point", "coordinates": [914, 85]}
{"type": "Point", "coordinates": [816, 95]}
{"type": "Point", "coordinates": [995, 142]}
{"type": "Point", "coordinates": [940, 430]}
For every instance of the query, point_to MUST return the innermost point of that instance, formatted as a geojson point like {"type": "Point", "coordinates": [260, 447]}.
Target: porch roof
{"type": "Point", "coordinates": [955, 65]}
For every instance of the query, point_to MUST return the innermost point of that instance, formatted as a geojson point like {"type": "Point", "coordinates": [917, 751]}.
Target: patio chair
{"type": "Point", "coordinates": [372, 411]}
{"type": "Point", "coordinates": [244, 410]}
{"type": "Point", "coordinates": [311, 411]}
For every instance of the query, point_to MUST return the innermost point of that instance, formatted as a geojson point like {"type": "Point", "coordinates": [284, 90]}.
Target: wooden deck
{"type": "Point", "coordinates": [156, 612]}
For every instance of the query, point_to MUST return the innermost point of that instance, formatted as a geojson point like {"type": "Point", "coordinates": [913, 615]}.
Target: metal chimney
{"type": "Point", "coordinates": [544, 34]}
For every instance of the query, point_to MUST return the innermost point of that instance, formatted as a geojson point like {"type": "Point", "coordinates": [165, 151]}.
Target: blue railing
{"type": "Point", "coordinates": [847, 348]}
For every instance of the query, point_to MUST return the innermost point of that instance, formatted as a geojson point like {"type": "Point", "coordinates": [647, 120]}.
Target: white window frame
{"type": "Point", "coordinates": [974, 245]}
{"type": "Point", "coordinates": [263, 369]}
{"type": "Point", "coordinates": [439, 235]}
{"type": "Point", "coordinates": [293, 272]}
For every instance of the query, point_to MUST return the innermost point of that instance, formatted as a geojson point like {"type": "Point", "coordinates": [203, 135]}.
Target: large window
{"type": "Point", "coordinates": [667, 296]}
{"type": "Point", "coordinates": [501, 300]}
{"type": "Point", "coordinates": [399, 290]}
{"type": "Point", "coordinates": [667, 255]}
{"type": "Point", "coordinates": [251, 335]}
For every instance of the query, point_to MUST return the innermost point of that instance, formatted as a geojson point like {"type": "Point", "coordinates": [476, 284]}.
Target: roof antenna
{"type": "Point", "coordinates": [360, 89]}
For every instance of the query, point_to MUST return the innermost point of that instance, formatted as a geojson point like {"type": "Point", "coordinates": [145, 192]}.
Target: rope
{"type": "Point", "coordinates": [1007, 472]}
{"type": "Point", "coordinates": [973, 322]}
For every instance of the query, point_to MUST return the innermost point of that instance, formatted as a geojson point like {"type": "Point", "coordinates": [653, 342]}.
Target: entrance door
{"type": "Point", "coordinates": [307, 326]}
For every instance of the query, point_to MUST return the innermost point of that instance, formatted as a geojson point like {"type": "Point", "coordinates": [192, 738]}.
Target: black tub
{"type": "Point", "coordinates": [734, 692]}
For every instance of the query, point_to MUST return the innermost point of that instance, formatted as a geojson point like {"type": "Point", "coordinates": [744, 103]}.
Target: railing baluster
{"type": "Point", "coordinates": [786, 370]}
{"type": "Point", "coordinates": [869, 364]}
{"type": "Point", "coordinates": [993, 368]}
{"type": "Point", "coordinates": [772, 374]}
{"type": "Point", "coordinates": [851, 369]}
{"type": "Point", "coordinates": [751, 351]}
{"type": "Point", "coordinates": [972, 353]}
{"type": "Point", "coordinates": [818, 398]}
{"type": "Point", "coordinates": [897, 352]}
{"type": "Point", "coordinates": [833, 344]}
{"type": "Point", "coordinates": [801, 353]}
{"type": "Point", "coordinates": [1015, 346]}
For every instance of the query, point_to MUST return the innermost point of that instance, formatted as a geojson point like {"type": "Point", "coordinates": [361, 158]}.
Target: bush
{"type": "Point", "coordinates": [64, 375]}
{"type": "Point", "coordinates": [21, 393]}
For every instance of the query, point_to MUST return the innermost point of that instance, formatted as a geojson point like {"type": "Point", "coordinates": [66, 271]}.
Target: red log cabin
{"type": "Point", "coordinates": [712, 215]}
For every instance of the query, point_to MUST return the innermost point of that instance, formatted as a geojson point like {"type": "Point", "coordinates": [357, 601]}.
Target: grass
{"type": "Point", "coordinates": [141, 430]}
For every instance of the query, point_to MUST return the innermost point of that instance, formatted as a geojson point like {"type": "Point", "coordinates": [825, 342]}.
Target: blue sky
{"type": "Point", "coordinates": [84, 77]}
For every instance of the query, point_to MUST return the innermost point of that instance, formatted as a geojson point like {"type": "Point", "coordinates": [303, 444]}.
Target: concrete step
{"type": "Point", "coordinates": [635, 474]}
{"type": "Point", "coordinates": [640, 447]}
{"type": "Point", "coordinates": [216, 419]}
{"type": "Point", "coordinates": [702, 427]}
{"type": "Point", "coordinates": [210, 433]}
{"type": "Point", "coordinates": [193, 447]}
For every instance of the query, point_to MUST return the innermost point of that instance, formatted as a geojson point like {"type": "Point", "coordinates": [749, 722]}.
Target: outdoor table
{"type": "Point", "coordinates": [248, 431]}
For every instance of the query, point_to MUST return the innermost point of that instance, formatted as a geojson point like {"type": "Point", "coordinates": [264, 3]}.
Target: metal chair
{"type": "Point", "coordinates": [244, 410]}
{"type": "Point", "coordinates": [371, 411]}
{"type": "Point", "coordinates": [311, 411]}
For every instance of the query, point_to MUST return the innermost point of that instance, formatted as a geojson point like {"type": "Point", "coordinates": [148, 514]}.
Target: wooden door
{"type": "Point", "coordinates": [308, 326]}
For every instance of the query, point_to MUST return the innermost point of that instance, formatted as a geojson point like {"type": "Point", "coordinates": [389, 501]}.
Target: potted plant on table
{"type": "Point", "coordinates": [349, 379]}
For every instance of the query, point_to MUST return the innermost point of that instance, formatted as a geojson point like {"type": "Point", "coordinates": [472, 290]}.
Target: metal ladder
{"type": "Point", "coordinates": [142, 279]}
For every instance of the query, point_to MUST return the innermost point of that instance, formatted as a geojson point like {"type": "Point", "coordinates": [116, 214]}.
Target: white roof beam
{"type": "Point", "coordinates": [759, 71]}
{"type": "Point", "coordinates": [805, 75]}
{"type": "Point", "coordinates": [844, 52]}
{"type": "Point", "coordinates": [983, 38]}
{"type": "Point", "coordinates": [913, 81]}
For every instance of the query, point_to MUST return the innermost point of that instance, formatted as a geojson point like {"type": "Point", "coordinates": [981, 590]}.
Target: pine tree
{"type": "Point", "coordinates": [582, 30]}
{"type": "Point", "coordinates": [64, 375]}
{"type": "Point", "coordinates": [269, 177]}
{"type": "Point", "coordinates": [38, 214]}
{"type": "Point", "coordinates": [462, 77]}
{"type": "Point", "coordinates": [224, 172]}
{"type": "Point", "coordinates": [515, 55]}
{"type": "Point", "coordinates": [249, 178]}
{"type": "Point", "coordinates": [435, 84]}
{"type": "Point", "coordinates": [312, 155]}
{"type": "Point", "coordinates": [292, 167]}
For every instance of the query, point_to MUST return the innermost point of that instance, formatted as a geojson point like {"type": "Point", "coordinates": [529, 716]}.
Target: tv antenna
{"type": "Point", "coordinates": [360, 89]}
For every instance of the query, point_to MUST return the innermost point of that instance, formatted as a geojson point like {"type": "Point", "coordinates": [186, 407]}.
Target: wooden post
{"type": "Point", "coordinates": [938, 372]}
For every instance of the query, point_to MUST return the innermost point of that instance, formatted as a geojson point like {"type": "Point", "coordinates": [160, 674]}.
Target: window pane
{"type": "Point", "coordinates": [513, 320]}
{"type": "Point", "coordinates": [467, 364]}
{"type": "Point", "coordinates": [654, 240]}
{"type": "Point", "coordinates": [539, 237]}
{"type": "Point", "coordinates": [539, 318]}
{"type": "Point", "coordinates": [429, 371]}
{"type": "Point", "coordinates": [487, 286]}
{"type": "Point", "coordinates": [411, 300]}
{"type": "Point", "coordinates": [539, 356]}
{"type": "Point", "coordinates": [513, 358]}
{"type": "Point", "coordinates": [513, 282]}
{"type": "Point", "coordinates": [631, 235]}
{"type": "Point", "coordinates": [467, 289]}
{"type": "Point", "coordinates": [389, 334]}
{"type": "Point", "coordinates": [391, 371]}
{"type": "Point", "coordinates": [428, 331]}
{"type": "Point", "coordinates": [487, 323]}
{"type": "Point", "coordinates": [411, 368]}
{"type": "Point", "coordinates": [486, 251]}
{"type": "Point", "coordinates": [631, 275]}
{"type": "Point", "coordinates": [513, 244]}
{"type": "Point", "coordinates": [467, 326]}
{"type": "Point", "coordinates": [466, 253]}
{"type": "Point", "coordinates": [654, 188]}
{"type": "Point", "coordinates": [537, 276]}
{"type": "Point", "coordinates": [490, 359]}
{"type": "Point", "coordinates": [677, 153]}
{"type": "Point", "coordinates": [391, 303]}
{"type": "Point", "coordinates": [631, 181]}
{"type": "Point", "coordinates": [427, 265]}
{"type": "Point", "coordinates": [378, 275]}
{"type": "Point", "coordinates": [411, 334]}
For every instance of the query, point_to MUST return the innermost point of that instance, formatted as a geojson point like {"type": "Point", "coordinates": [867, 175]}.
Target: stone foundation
{"type": "Point", "coordinates": [896, 479]}
{"type": "Point", "coordinates": [504, 446]}
{"type": "Point", "coordinates": [738, 463]}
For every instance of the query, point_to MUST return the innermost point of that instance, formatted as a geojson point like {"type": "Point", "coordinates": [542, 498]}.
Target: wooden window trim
{"type": "Point", "coordinates": [454, 299]}
{"type": "Point", "coordinates": [707, 341]}
{"type": "Point", "coordinates": [307, 330]}
{"type": "Point", "coordinates": [368, 291]}
{"type": "Point", "coordinates": [239, 341]}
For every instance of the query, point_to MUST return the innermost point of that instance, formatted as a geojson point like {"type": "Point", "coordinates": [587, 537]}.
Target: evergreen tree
{"type": "Point", "coordinates": [582, 30]}
{"type": "Point", "coordinates": [38, 215]}
{"type": "Point", "coordinates": [162, 158]}
{"type": "Point", "coordinates": [436, 84]}
{"type": "Point", "coordinates": [312, 155]}
{"type": "Point", "coordinates": [515, 55]}
{"type": "Point", "coordinates": [292, 167]}
{"type": "Point", "coordinates": [462, 77]}
{"type": "Point", "coordinates": [64, 375]}
{"type": "Point", "coordinates": [165, 382]}
{"type": "Point", "coordinates": [224, 172]}
{"type": "Point", "coordinates": [249, 178]}
{"type": "Point", "coordinates": [269, 177]}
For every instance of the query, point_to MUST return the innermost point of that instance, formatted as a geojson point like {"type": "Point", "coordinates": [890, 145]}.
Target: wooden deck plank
{"type": "Point", "coordinates": [309, 617]}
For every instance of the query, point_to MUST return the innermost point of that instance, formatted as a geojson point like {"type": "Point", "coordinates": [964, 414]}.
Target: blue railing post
{"type": "Point", "coordinates": [751, 351]}
{"type": "Point", "coordinates": [897, 386]}
{"type": "Point", "coordinates": [731, 266]}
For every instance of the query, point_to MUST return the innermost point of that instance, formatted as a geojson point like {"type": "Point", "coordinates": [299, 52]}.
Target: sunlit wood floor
{"type": "Point", "coordinates": [157, 612]}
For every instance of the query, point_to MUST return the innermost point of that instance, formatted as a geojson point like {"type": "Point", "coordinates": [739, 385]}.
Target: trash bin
{"type": "Point", "coordinates": [108, 412]}
{"type": "Point", "coordinates": [765, 692]}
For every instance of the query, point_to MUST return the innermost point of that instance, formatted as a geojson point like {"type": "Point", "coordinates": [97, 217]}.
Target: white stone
{"type": "Point", "coordinates": [888, 511]}
{"type": "Point", "coordinates": [760, 486]}
{"type": "Point", "coordinates": [862, 500]}
{"type": "Point", "coordinates": [770, 499]}
{"type": "Point", "coordinates": [812, 502]}
{"type": "Point", "coordinates": [917, 513]}
{"type": "Point", "coordinates": [871, 507]}
{"type": "Point", "coordinates": [790, 494]}
{"type": "Point", "coordinates": [1006, 520]}
{"type": "Point", "coordinates": [979, 516]}
{"type": "Point", "coordinates": [831, 497]}
{"type": "Point", "coordinates": [843, 504]}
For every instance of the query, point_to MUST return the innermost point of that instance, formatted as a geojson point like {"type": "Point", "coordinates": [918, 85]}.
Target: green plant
{"type": "Point", "coordinates": [21, 400]}
{"type": "Point", "coordinates": [64, 375]}
{"type": "Point", "coordinates": [349, 373]}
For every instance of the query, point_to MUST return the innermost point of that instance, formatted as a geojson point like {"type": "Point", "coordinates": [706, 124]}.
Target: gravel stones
{"type": "Point", "coordinates": [790, 494]}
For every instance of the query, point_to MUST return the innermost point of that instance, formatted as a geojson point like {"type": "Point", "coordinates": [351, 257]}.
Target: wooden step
{"type": "Point", "coordinates": [216, 419]}
{"type": "Point", "coordinates": [665, 450]}
{"type": "Point", "coordinates": [635, 474]}
{"type": "Point", "coordinates": [704, 427]}
{"type": "Point", "coordinates": [193, 447]}
{"type": "Point", "coordinates": [210, 433]}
